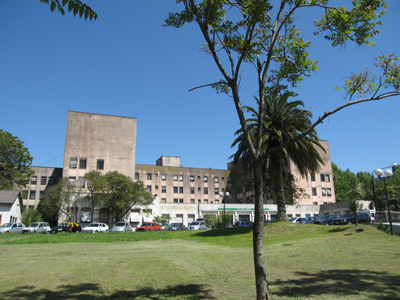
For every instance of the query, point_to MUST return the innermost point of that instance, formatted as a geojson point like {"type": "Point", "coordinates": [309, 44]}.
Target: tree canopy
{"type": "Point", "coordinates": [15, 160]}
{"type": "Point", "coordinates": [74, 6]}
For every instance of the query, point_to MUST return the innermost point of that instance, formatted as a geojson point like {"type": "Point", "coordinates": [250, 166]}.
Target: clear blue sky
{"type": "Point", "coordinates": [127, 64]}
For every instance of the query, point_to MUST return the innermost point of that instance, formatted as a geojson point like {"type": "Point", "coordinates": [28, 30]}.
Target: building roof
{"type": "Point", "coordinates": [8, 196]}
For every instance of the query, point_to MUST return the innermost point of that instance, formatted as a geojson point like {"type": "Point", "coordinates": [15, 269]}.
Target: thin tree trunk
{"type": "Point", "coordinates": [280, 191]}
{"type": "Point", "coordinates": [258, 237]}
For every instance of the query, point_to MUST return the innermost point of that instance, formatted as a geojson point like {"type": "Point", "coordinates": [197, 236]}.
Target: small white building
{"type": "Point", "coordinates": [10, 206]}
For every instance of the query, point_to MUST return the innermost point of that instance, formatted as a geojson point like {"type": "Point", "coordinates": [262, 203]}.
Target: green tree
{"type": "Point", "coordinates": [121, 194]}
{"type": "Point", "coordinates": [15, 160]}
{"type": "Point", "coordinates": [265, 35]}
{"type": "Point", "coordinates": [31, 215]}
{"type": "Point", "coordinates": [76, 6]}
{"type": "Point", "coordinates": [96, 187]}
{"type": "Point", "coordinates": [282, 122]}
{"type": "Point", "coordinates": [162, 220]}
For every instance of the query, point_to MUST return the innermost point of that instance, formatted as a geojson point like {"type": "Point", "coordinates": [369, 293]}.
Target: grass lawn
{"type": "Point", "coordinates": [303, 262]}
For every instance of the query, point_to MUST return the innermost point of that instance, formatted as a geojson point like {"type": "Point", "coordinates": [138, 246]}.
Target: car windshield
{"type": "Point", "coordinates": [146, 224]}
{"type": "Point", "coordinates": [291, 219]}
{"type": "Point", "coordinates": [175, 225]}
{"type": "Point", "coordinates": [94, 225]}
{"type": "Point", "coordinates": [195, 223]}
{"type": "Point", "coordinates": [6, 225]}
{"type": "Point", "coordinates": [34, 225]}
{"type": "Point", "coordinates": [119, 224]}
{"type": "Point", "coordinates": [326, 217]}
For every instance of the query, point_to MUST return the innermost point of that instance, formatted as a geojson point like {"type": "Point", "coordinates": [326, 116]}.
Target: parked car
{"type": "Point", "coordinates": [349, 219]}
{"type": "Point", "coordinates": [326, 220]}
{"type": "Point", "coordinates": [11, 228]}
{"type": "Point", "coordinates": [297, 220]}
{"type": "Point", "coordinates": [37, 227]}
{"type": "Point", "coordinates": [176, 226]}
{"type": "Point", "coordinates": [67, 227]}
{"type": "Point", "coordinates": [121, 227]}
{"type": "Point", "coordinates": [149, 226]}
{"type": "Point", "coordinates": [96, 227]}
{"type": "Point", "coordinates": [197, 225]}
{"type": "Point", "coordinates": [310, 220]}
{"type": "Point", "coordinates": [243, 224]}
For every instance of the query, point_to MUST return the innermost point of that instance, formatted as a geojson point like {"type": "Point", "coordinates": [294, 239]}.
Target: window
{"type": "Point", "coordinates": [156, 174]}
{"type": "Point", "coordinates": [329, 191]}
{"type": "Point", "coordinates": [73, 162]}
{"type": "Point", "coordinates": [191, 178]}
{"type": "Point", "coordinates": [312, 175]}
{"type": "Point", "coordinates": [216, 191]}
{"type": "Point", "coordinates": [192, 190]}
{"type": "Point", "coordinates": [205, 191]}
{"type": "Point", "coordinates": [175, 177]}
{"type": "Point", "coordinates": [180, 200]}
{"type": "Point", "coordinates": [327, 179]}
{"type": "Point", "coordinates": [181, 190]}
{"type": "Point", "coordinates": [175, 189]}
{"type": "Point", "coordinates": [323, 191]}
{"type": "Point", "coordinates": [72, 181]}
{"type": "Point", "coordinates": [43, 180]}
{"type": "Point", "coordinates": [148, 176]}
{"type": "Point", "coordinates": [81, 182]}
{"type": "Point", "coordinates": [24, 194]}
{"type": "Point", "coordinates": [100, 164]}
{"type": "Point", "coordinates": [82, 163]}
{"type": "Point", "coordinates": [315, 203]}
{"type": "Point", "coordinates": [163, 200]}
{"type": "Point", "coordinates": [136, 175]}
{"type": "Point", "coordinates": [216, 201]}
{"type": "Point", "coordinates": [32, 194]}
{"type": "Point", "coordinates": [41, 194]}
{"type": "Point", "coordinates": [205, 178]}
{"type": "Point", "coordinates": [163, 177]}
{"type": "Point", "coordinates": [149, 188]}
{"type": "Point", "coordinates": [180, 177]}
{"type": "Point", "coordinates": [156, 187]}
{"type": "Point", "coordinates": [175, 200]}
{"type": "Point", "coordinates": [229, 180]}
{"type": "Point", "coordinates": [199, 201]}
{"type": "Point", "coordinates": [205, 200]}
{"type": "Point", "coordinates": [222, 178]}
{"type": "Point", "coordinates": [216, 179]}
{"type": "Point", "coordinates": [33, 179]}
{"type": "Point", "coordinates": [163, 189]}
{"type": "Point", "coordinates": [314, 191]}
{"type": "Point", "coordinates": [52, 180]}
{"type": "Point", "coordinates": [192, 201]}
{"type": "Point", "coordinates": [322, 177]}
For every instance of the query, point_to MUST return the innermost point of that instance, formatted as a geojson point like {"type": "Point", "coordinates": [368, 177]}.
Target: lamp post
{"type": "Point", "coordinates": [222, 195]}
{"type": "Point", "coordinates": [387, 173]}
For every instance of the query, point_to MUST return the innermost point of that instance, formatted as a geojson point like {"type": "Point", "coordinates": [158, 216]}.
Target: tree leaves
{"type": "Point", "coordinates": [76, 6]}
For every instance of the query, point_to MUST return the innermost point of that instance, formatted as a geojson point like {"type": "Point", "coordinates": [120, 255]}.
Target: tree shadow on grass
{"type": "Point", "coordinates": [92, 291]}
{"type": "Point", "coordinates": [224, 232]}
{"type": "Point", "coordinates": [345, 283]}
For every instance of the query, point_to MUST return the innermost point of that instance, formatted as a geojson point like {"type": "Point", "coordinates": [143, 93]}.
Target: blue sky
{"type": "Point", "coordinates": [127, 64]}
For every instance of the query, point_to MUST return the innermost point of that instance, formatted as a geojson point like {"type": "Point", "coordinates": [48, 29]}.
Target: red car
{"type": "Point", "coordinates": [149, 226]}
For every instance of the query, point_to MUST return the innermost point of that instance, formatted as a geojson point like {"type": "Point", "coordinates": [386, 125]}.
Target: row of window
{"type": "Point", "coordinates": [73, 163]}
{"type": "Point", "coordinates": [179, 190]}
{"type": "Point", "coordinates": [325, 191]}
{"type": "Point", "coordinates": [31, 194]}
{"type": "Point", "coordinates": [43, 180]}
{"type": "Point", "coordinates": [192, 201]}
{"type": "Point", "coordinates": [180, 177]}
{"type": "Point", "coordinates": [81, 182]}
{"type": "Point", "coordinates": [324, 177]}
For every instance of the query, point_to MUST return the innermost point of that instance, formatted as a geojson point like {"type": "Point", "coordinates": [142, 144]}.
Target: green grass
{"type": "Point", "coordinates": [303, 262]}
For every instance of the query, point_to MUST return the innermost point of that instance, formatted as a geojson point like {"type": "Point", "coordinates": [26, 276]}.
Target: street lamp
{"type": "Point", "coordinates": [222, 195]}
{"type": "Point", "coordinates": [387, 173]}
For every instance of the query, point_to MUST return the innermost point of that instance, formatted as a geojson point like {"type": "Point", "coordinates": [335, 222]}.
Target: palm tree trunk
{"type": "Point", "coordinates": [258, 237]}
{"type": "Point", "coordinates": [280, 190]}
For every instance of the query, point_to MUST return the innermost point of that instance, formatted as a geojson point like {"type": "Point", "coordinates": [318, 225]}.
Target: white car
{"type": "Point", "coordinates": [96, 227]}
{"type": "Point", "coordinates": [121, 226]}
{"type": "Point", "coordinates": [37, 227]}
{"type": "Point", "coordinates": [11, 228]}
{"type": "Point", "coordinates": [197, 225]}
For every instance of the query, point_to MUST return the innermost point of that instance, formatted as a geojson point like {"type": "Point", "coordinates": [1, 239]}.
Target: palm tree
{"type": "Point", "coordinates": [283, 121]}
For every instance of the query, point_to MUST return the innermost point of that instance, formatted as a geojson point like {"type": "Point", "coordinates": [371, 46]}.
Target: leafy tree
{"type": "Point", "coordinates": [265, 35]}
{"type": "Point", "coordinates": [282, 121]}
{"type": "Point", "coordinates": [31, 215]}
{"type": "Point", "coordinates": [162, 220]}
{"type": "Point", "coordinates": [121, 194]}
{"type": "Point", "coordinates": [76, 6]}
{"type": "Point", "coordinates": [14, 162]}
{"type": "Point", "coordinates": [59, 199]}
{"type": "Point", "coordinates": [96, 187]}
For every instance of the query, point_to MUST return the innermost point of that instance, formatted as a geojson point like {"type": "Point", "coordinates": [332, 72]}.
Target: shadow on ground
{"type": "Point", "coordinates": [91, 291]}
{"type": "Point", "coordinates": [224, 231]}
{"type": "Point", "coordinates": [350, 284]}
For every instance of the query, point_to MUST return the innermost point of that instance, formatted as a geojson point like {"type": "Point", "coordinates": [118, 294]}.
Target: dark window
{"type": "Point", "coordinates": [175, 189]}
{"type": "Point", "coordinates": [175, 200]}
{"type": "Point", "coordinates": [163, 189]}
{"type": "Point", "coordinates": [32, 194]}
{"type": "Point", "coordinates": [148, 176]}
{"type": "Point", "coordinates": [180, 190]}
{"type": "Point", "coordinates": [192, 190]}
{"type": "Point", "coordinates": [43, 180]}
{"type": "Point", "coordinates": [149, 188]}
{"type": "Point", "coordinates": [136, 175]}
{"type": "Point", "coordinates": [82, 163]}
{"type": "Point", "coordinates": [312, 175]}
{"type": "Point", "coordinates": [205, 191]}
{"type": "Point", "coordinates": [322, 177]}
{"type": "Point", "coordinates": [41, 194]}
{"type": "Point", "coordinates": [100, 164]}
{"type": "Point", "coordinates": [314, 191]}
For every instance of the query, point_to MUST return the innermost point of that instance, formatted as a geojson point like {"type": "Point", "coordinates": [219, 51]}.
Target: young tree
{"type": "Point", "coordinates": [265, 35]}
{"type": "Point", "coordinates": [121, 194]}
{"type": "Point", "coordinates": [96, 187]}
{"type": "Point", "coordinates": [14, 162]}
{"type": "Point", "coordinates": [76, 6]}
{"type": "Point", "coordinates": [31, 215]}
